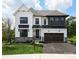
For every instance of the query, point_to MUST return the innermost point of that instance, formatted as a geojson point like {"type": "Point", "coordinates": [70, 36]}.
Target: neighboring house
{"type": "Point", "coordinates": [41, 25]}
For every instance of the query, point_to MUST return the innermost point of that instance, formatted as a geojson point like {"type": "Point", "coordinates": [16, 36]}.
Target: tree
{"type": "Point", "coordinates": [4, 30]}
{"type": "Point", "coordinates": [71, 26]}
{"type": "Point", "coordinates": [8, 36]}
{"type": "Point", "coordinates": [7, 33]}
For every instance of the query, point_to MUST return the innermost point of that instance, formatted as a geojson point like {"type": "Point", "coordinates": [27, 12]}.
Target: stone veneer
{"type": "Point", "coordinates": [23, 39]}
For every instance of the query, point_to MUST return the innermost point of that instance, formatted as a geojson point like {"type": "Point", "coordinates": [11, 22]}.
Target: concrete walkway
{"type": "Point", "coordinates": [40, 56]}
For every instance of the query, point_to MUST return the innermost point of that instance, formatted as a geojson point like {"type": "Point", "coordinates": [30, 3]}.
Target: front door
{"type": "Point", "coordinates": [37, 33]}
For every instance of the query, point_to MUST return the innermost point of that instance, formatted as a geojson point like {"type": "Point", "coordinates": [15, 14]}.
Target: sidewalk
{"type": "Point", "coordinates": [40, 56]}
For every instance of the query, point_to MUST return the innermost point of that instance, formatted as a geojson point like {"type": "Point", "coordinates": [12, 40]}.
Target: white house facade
{"type": "Point", "coordinates": [39, 25]}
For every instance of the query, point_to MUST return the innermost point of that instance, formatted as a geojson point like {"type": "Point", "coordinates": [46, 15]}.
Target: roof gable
{"type": "Point", "coordinates": [40, 12]}
{"type": "Point", "coordinates": [22, 8]}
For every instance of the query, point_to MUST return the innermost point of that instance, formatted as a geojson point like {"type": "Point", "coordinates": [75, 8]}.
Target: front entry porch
{"type": "Point", "coordinates": [37, 34]}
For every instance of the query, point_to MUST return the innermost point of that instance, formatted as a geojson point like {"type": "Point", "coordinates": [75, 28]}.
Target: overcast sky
{"type": "Point", "coordinates": [67, 6]}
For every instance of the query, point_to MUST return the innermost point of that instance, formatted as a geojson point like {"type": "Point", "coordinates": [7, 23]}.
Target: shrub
{"type": "Point", "coordinates": [73, 40]}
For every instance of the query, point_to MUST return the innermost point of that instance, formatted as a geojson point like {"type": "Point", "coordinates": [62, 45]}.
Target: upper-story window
{"type": "Point", "coordinates": [44, 21]}
{"type": "Point", "coordinates": [36, 20]}
{"type": "Point", "coordinates": [51, 19]}
{"type": "Point", "coordinates": [56, 19]}
{"type": "Point", "coordinates": [23, 20]}
{"type": "Point", "coordinates": [62, 19]}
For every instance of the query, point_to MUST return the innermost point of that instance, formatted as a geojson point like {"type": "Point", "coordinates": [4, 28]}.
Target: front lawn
{"type": "Point", "coordinates": [21, 48]}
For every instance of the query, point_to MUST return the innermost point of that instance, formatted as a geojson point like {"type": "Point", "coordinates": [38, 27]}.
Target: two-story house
{"type": "Point", "coordinates": [39, 25]}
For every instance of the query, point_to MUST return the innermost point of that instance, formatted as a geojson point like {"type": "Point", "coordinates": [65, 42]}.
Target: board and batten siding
{"type": "Point", "coordinates": [17, 22]}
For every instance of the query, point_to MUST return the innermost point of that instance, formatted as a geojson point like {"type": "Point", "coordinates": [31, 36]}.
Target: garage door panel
{"type": "Point", "coordinates": [53, 37]}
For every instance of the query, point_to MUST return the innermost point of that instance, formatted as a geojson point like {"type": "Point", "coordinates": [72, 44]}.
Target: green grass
{"type": "Point", "coordinates": [73, 40]}
{"type": "Point", "coordinates": [21, 48]}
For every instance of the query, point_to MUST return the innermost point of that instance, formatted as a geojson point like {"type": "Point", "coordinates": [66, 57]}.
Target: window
{"type": "Point", "coordinates": [36, 20]}
{"type": "Point", "coordinates": [56, 19]}
{"type": "Point", "coordinates": [62, 18]}
{"type": "Point", "coordinates": [44, 21]}
{"type": "Point", "coordinates": [23, 20]}
{"type": "Point", "coordinates": [51, 19]}
{"type": "Point", "coordinates": [23, 33]}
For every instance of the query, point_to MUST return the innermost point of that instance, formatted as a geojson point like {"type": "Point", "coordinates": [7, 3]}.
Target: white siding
{"type": "Point", "coordinates": [17, 21]}
{"type": "Point", "coordinates": [24, 12]}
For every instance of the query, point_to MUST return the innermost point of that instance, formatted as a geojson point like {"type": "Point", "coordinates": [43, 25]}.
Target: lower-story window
{"type": "Point", "coordinates": [23, 33]}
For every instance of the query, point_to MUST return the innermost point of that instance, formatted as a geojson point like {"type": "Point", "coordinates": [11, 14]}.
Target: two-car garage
{"type": "Point", "coordinates": [53, 37]}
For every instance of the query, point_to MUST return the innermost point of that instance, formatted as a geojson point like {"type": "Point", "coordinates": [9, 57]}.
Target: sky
{"type": "Point", "coordinates": [67, 6]}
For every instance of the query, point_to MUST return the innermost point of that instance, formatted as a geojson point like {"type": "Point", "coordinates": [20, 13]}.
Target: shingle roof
{"type": "Point", "coordinates": [47, 12]}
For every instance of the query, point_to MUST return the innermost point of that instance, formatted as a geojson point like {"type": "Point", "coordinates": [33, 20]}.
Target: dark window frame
{"type": "Point", "coordinates": [37, 33]}
{"type": "Point", "coordinates": [56, 19]}
{"type": "Point", "coordinates": [62, 18]}
{"type": "Point", "coordinates": [52, 19]}
{"type": "Point", "coordinates": [23, 33]}
{"type": "Point", "coordinates": [56, 22]}
{"type": "Point", "coordinates": [37, 21]}
{"type": "Point", "coordinates": [23, 20]}
{"type": "Point", "coordinates": [44, 21]}
{"type": "Point", "coordinates": [23, 26]}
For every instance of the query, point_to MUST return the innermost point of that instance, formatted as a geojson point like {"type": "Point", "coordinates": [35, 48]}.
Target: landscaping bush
{"type": "Point", "coordinates": [73, 40]}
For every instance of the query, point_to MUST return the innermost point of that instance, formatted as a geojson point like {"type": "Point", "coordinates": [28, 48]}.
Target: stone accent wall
{"type": "Point", "coordinates": [23, 39]}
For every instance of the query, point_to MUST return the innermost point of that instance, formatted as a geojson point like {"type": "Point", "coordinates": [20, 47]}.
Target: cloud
{"type": "Point", "coordinates": [13, 4]}
{"type": "Point", "coordinates": [9, 6]}
{"type": "Point", "coordinates": [61, 5]}
{"type": "Point", "coordinates": [32, 3]}
{"type": "Point", "coordinates": [38, 6]}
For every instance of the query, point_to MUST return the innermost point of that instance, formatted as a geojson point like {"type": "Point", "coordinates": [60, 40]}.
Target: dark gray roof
{"type": "Point", "coordinates": [47, 12]}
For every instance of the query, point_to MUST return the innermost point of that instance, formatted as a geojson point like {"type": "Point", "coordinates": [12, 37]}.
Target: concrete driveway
{"type": "Point", "coordinates": [59, 48]}
{"type": "Point", "coordinates": [40, 56]}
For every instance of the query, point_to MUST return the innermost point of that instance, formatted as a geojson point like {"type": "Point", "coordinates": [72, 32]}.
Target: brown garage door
{"type": "Point", "coordinates": [53, 37]}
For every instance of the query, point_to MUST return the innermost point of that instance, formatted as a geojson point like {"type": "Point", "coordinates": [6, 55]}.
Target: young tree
{"type": "Point", "coordinates": [71, 26]}
{"type": "Point", "coordinates": [6, 30]}
{"type": "Point", "coordinates": [9, 26]}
